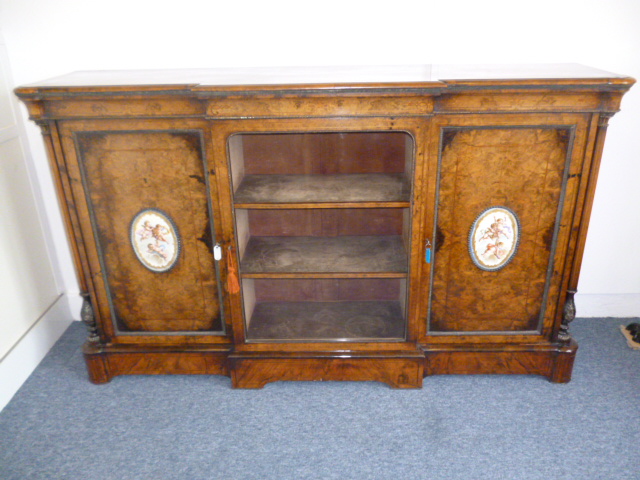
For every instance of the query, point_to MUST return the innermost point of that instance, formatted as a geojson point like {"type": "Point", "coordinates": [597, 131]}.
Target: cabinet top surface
{"type": "Point", "coordinates": [415, 76]}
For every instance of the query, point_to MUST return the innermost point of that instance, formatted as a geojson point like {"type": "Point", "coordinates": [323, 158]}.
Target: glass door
{"type": "Point", "coordinates": [323, 231]}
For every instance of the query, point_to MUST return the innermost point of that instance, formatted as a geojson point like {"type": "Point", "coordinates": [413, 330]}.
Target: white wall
{"type": "Point", "coordinates": [46, 38]}
{"type": "Point", "coordinates": [33, 312]}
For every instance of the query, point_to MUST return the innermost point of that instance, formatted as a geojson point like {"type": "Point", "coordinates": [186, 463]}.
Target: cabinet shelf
{"type": "Point", "coordinates": [371, 189]}
{"type": "Point", "coordinates": [333, 321]}
{"type": "Point", "coordinates": [342, 256]}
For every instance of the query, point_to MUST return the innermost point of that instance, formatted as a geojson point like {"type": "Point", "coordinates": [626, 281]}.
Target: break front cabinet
{"type": "Point", "coordinates": [328, 224]}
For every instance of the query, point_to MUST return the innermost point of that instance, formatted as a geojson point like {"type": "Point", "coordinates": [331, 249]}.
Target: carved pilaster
{"type": "Point", "coordinates": [89, 319]}
{"type": "Point", "coordinates": [568, 314]}
{"type": "Point", "coordinates": [34, 104]}
{"type": "Point", "coordinates": [603, 120]}
{"type": "Point", "coordinates": [45, 128]}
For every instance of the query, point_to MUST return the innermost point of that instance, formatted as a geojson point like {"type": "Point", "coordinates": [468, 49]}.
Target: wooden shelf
{"type": "Point", "coordinates": [370, 189]}
{"type": "Point", "coordinates": [332, 321]}
{"type": "Point", "coordinates": [382, 256]}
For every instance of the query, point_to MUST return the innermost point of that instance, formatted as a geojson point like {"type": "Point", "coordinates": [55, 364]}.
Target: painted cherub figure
{"type": "Point", "coordinates": [157, 250]}
{"type": "Point", "coordinates": [146, 230]}
{"type": "Point", "coordinates": [503, 227]}
{"type": "Point", "coordinates": [497, 249]}
{"type": "Point", "coordinates": [158, 233]}
{"type": "Point", "coordinates": [497, 229]}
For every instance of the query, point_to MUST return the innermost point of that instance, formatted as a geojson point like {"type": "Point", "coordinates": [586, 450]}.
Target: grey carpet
{"type": "Point", "coordinates": [59, 426]}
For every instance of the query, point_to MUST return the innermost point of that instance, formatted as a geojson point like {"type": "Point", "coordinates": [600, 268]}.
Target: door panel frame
{"type": "Point", "coordinates": [563, 247]}
{"type": "Point", "coordinates": [80, 209]}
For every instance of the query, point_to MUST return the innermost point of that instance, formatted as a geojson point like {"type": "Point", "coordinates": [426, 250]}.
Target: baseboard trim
{"type": "Point", "coordinates": [613, 305]}
{"type": "Point", "coordinates": [27, 354]}
{"type": "Point", "coordinates": [75, 301]}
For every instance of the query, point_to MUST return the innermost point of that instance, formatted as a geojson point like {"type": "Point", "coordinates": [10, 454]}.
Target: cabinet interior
{"type": "Point", "coordinates": [323, 233]}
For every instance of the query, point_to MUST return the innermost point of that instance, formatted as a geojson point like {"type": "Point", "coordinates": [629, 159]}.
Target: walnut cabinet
{"type": "Point", "coordinates": [378, 224]}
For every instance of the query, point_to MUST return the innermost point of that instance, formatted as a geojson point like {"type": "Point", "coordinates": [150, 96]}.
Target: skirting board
{"type": "Point", "coordinates": [613, 305]}
{"type": "Point", "coordinates": [75, 304]}
{"type": "Point", "coordinates": [25, 356]}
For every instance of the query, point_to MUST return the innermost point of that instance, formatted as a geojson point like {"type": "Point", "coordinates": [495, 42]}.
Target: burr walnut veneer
{"type": "Point", "coordinates": [328, 223]}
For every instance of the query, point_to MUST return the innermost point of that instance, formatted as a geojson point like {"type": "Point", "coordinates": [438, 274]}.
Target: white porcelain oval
{"type": "Point", "coordinates": [155, 240]}
{"type": "Point", "coordinates": [494, 238]}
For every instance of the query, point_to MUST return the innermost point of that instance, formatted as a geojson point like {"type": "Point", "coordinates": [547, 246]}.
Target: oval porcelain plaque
{"type": "Point", "coordinates": [494, 238]}
{"type": "Point", "coordinates": [155, 240]}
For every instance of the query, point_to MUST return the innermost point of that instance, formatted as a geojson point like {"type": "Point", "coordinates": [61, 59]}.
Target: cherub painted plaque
{"type": "Point", "coordinates": [155, 240]}
{"type": "Point", "coordinates": [494, 238]}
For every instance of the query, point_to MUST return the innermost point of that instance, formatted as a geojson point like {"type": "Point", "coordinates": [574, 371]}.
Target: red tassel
{"type": "Point", "coordinates": [233, 284]}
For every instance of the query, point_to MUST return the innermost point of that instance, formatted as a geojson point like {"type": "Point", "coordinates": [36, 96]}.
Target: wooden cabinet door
{"type": "Point", "coordinates": [144, 196]}
{"type": "Point", "coordinates": [505, 197]}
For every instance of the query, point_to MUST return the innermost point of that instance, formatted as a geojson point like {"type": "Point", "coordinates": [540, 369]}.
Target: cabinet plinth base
{"type": "Point", "coordinates": [554, 361]}
{"type": "Point", "coordinates": [249, 370]}
{"type": "Point", "coordinates": [104, 363]}
{"type": "Point", "coordinates": [404, 369]}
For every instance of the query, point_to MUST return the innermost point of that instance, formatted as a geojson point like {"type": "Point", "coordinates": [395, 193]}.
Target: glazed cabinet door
{"type": "Point", "coordinates": [503, 229]}
{"type": "Point", "coordinates": [323, 218]}
{"type": "Point", "coordinates": [144, 196]}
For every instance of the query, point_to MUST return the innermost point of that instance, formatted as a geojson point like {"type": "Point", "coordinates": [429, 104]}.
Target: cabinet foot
{"type": "Point", "coordinates": [563, 363]}
{"type": "Point", "coordinates": [97, 368]}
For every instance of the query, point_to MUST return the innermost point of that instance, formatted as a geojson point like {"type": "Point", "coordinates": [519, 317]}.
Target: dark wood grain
{"type": "Point", "coordinates": [518, 168]}
{"type": "Point", "coordinates": [106, 363]}
{"type": "Point", "coordinates": [398, 370]}
{"type": "Point", "coordinates": [131, 171]}
{"type": "Point", "coordinates": [552, 361]}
